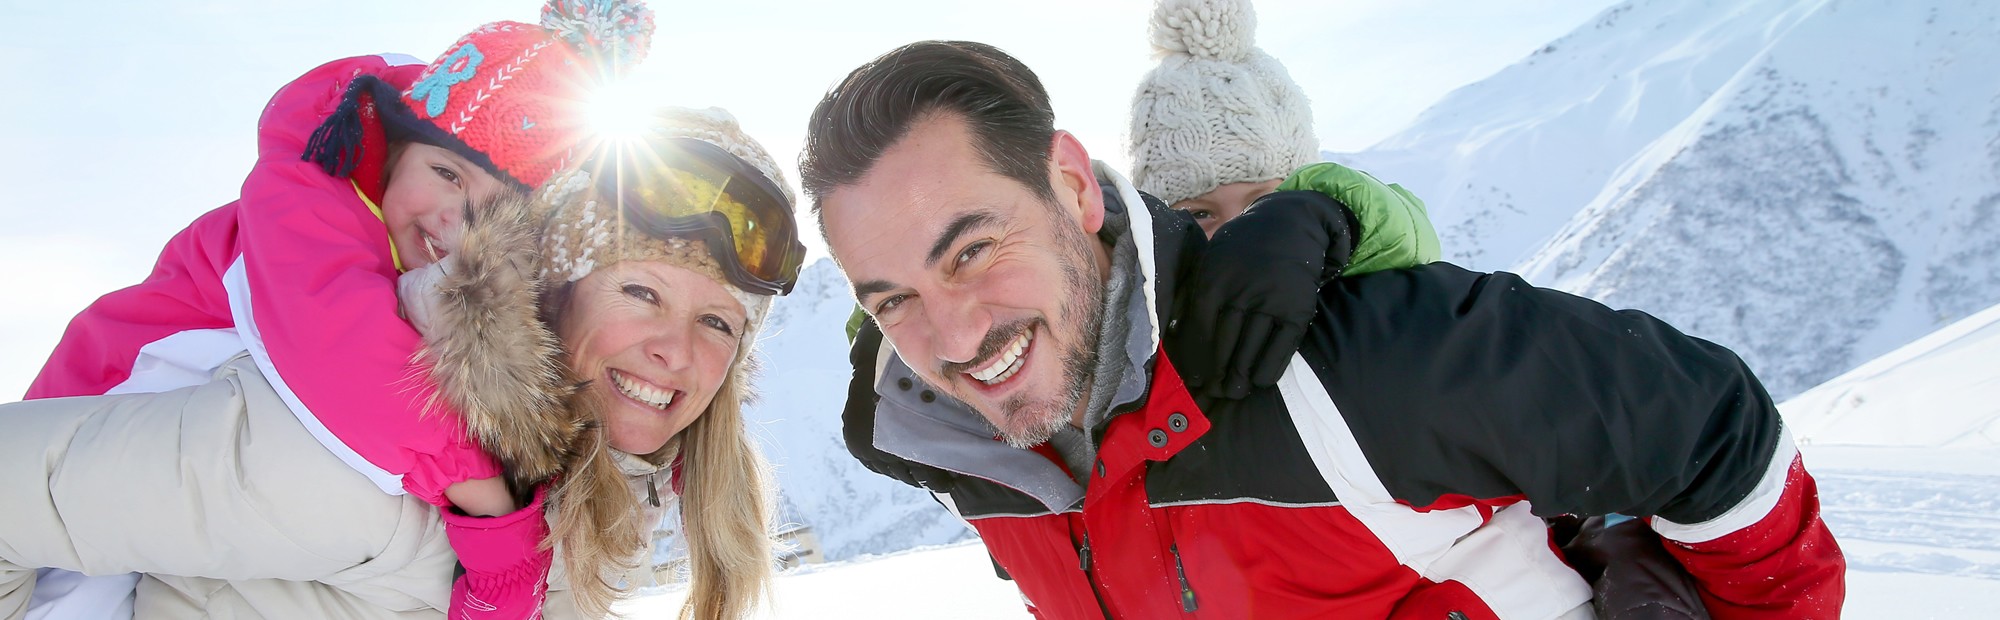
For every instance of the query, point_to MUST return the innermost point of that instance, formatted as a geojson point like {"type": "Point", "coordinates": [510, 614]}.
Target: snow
{"type": "Point", "coordinates": [1809, 182]}
{"type": "Point", "coordinates": [1504, 162]}
{"type": "Point", "coordinates": [803, 383]}
{"type": "Point", "coordinates": [1942, 391]}
{"type": "Point", "coordinates": [1906, 449]}
{"type": "Point", "coordinates": [931, 582]}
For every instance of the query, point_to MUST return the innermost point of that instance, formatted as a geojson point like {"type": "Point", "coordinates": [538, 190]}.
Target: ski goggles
{"type": "Point", "coordinates": [687, 188]}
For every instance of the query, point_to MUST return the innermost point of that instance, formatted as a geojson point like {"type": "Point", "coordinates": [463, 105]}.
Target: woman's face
{"type": "Point", "coordinates": [655, 342]}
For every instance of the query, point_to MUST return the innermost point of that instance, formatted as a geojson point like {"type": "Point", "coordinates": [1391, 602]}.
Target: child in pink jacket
{"type": "Point", "coordinates": [365, 167]}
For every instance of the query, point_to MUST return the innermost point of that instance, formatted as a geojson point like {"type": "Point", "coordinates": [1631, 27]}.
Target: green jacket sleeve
{"type": "Point", "coordinates": [1396, 229]}
{"type": "Point", "coordinates": [854, 323]}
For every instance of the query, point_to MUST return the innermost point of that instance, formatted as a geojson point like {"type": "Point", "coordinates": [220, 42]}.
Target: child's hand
{"type": "Point", "coordinates": [1395, 228]}
{"type": "Point", "coordinates": [481, 497]}
{"type": "Point", "coordinates": [506, 565]}
{"type": "Point", "coordinates": [1246, 304]}
{"type": "Point", "coordinates": [417, 294]}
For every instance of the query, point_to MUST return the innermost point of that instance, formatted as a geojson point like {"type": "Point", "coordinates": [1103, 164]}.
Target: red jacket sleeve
{"type": "Point", "coordinates": [1769, 557]}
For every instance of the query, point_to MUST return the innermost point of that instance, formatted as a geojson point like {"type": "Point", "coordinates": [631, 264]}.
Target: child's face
{"type": "Point", "coordinates": [1218, 206]}
{"type": "Point", "coordinates": [428, 190]}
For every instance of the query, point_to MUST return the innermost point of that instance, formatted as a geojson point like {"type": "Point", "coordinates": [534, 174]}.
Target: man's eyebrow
{"type": "Point", "coordinates": [956, 229]}
{"type": "Point", "coordinates": [863, 289]}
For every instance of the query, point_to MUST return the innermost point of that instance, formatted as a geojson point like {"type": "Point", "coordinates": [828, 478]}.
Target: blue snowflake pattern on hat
{"type": "Point", "coordinates": [435, 91]}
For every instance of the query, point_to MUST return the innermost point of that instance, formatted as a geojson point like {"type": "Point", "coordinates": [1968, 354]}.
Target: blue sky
{"type": "Point", "coordinates": [125, 120]}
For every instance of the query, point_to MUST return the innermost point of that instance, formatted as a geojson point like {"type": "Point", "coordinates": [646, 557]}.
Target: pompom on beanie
{"type": "Point", "coordinates": [1217, 110]}
{"type": "Point", "coordinates": [510, 97]}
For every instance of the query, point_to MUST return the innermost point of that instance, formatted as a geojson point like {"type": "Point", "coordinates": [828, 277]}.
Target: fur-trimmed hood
{"type": "Point", "coordinates": [492, 358]}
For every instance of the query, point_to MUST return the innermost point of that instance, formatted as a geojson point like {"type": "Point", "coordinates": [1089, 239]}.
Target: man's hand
{"type": "Point", "coordinates": [1245, 307]}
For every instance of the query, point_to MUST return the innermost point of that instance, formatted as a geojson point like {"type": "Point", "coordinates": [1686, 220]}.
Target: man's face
{"type": "Point", "coordinates": [987, 290]}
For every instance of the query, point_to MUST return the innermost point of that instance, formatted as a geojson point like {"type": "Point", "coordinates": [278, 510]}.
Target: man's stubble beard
{"type": "Point", "coordinates": [1083, 300]}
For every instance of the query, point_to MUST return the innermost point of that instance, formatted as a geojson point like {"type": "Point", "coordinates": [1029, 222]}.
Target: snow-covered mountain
{"type": "Point", "coordinates": [1505, 161]}
{"type": "Point", "coordinates": [802, 384]}
{"type": "Point", "coordinates": [1810, 182]}
{"type": "Point", "coordinates": [1941, 392]}
{"type": "Point", "coordinates": [1906, 448]}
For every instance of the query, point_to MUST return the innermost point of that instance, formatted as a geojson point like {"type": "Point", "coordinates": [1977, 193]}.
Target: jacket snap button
{"type": "Point", "coordinates": [1100, 469]}
{"type": "Point", "coordinates": [1177, 422]}
{"type": "Point", "coordinates": [1456, 615]}
{"type": "Point", "coordinates": [903, 384]}
{"type": "Point", "coordinates": [927, 396]}
{"type": "Point", "coordinates": [1157, 437]}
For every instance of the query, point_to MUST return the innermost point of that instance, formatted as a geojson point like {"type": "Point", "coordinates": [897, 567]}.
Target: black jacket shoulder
{"type": "Point", "coordinates": [1468, 383]}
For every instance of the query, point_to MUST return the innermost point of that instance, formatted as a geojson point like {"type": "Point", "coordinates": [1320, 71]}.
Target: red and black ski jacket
{"type": "Point", "coordinates": [1397, 469]}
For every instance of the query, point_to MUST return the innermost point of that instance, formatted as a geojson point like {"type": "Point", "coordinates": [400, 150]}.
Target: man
{"type": "Point", "coordinates": [1393, 471]}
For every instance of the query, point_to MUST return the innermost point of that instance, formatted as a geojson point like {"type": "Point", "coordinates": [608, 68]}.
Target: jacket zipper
{"type": "Point", "coordinates": [1188, 603]}
{"type": "Point", "coordinates": [1083, 555]}
{"type": "Point", "coordinates": [1083, 563]}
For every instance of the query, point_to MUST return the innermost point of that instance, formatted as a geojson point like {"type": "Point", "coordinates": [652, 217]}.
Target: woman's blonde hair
{"type": "Point", "coordinates": [726, 509]}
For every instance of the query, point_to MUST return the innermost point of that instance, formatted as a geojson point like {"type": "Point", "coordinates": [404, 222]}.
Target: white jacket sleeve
{"type": "Point", "coordinates": [218, 480]}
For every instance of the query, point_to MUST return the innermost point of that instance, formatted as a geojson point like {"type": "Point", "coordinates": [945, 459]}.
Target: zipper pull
{"type": "Point", "coordinates": [1083, 555]}
{"type": "Point", "coordinates": [1188, 603]}
{"type": "Point", "coordinates": [653, 489]}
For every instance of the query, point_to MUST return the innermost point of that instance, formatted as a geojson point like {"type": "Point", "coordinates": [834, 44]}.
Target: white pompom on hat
{"type": "Point", "coordinates": [1217, 110]}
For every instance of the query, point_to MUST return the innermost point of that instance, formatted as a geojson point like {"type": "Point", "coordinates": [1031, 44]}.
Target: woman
{"type": "Point", "coordinates": [661, 268]}
{"type": "Point", "coordinates": [657, 284]}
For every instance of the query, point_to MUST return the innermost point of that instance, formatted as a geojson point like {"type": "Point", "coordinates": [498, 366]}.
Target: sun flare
{"type": "Point", "coordinates": [618, 112]}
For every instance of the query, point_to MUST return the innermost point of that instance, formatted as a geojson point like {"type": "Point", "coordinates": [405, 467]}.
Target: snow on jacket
{"type": "Point", "coordinates": [298, 272]}
{"type": "Point", "coordinates": [1397, 468]}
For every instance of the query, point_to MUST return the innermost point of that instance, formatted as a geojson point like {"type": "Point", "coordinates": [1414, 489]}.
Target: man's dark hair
{"type": "Point", "coordinates": [1001, 101]}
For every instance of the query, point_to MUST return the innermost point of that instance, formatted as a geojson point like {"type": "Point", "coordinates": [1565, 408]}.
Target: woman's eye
{"type": "Point", "coordinates": [1201, 214]}
{"type": "Point", "coordinates": [446, 173]}
{"type": "Point", "coordinates": [642, 293]}
{"type": "Point", "coordinates": [717, 323]}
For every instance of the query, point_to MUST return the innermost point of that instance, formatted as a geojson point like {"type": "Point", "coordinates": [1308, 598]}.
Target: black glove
{"type": "Point", "coordinates": [857, 421]}
{"type": "Point", "coordinates": [1244, 308]}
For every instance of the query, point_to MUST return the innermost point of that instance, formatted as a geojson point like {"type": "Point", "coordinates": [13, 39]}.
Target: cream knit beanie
{"type": "Point", "coordinates": [1217, 110]}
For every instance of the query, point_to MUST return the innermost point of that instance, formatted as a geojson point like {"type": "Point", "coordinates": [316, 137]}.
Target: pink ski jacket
{"type": "Point", "coordinates": [299, 272]}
